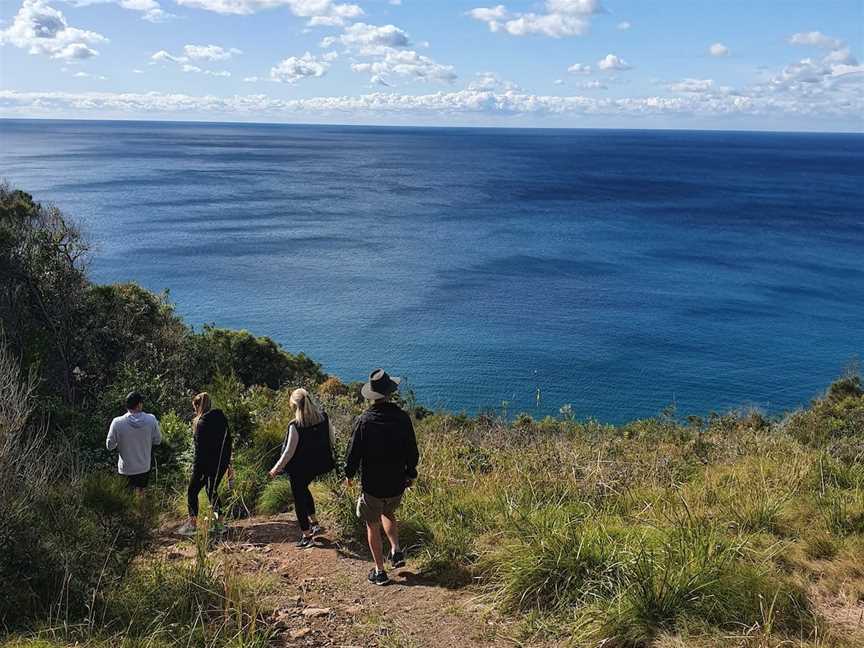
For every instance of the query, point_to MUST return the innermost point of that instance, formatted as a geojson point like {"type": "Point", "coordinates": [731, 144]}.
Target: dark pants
{"type": "Point", "coordinates": [138, 481]}
{"type": "Point", "coordinates": [208, 479]}
{"type": "Point", "coordinates": [304, 505]}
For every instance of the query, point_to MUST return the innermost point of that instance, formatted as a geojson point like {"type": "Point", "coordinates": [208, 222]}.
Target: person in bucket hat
{"type": "Point", "coordinates": [384, 449]}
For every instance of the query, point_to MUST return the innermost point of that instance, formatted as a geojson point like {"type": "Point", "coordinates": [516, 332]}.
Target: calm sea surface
{"type": "Point", "coordinates": [619, 271]}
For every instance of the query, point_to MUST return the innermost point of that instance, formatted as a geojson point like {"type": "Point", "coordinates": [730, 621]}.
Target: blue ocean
{"type": "Point", "coordinates": [618, 271]}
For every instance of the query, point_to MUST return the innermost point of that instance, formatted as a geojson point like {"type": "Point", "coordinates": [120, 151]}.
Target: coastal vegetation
{"type": "Point", "coordinates": [732, 529]}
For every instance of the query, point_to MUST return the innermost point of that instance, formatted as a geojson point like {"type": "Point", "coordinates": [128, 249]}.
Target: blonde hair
{"type": "Point", "coordinates": [201, 404]}
{"type": "Point", "coordinates": [305, 412]}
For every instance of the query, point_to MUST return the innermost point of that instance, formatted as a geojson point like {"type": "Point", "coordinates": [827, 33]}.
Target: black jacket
{"type": "Point", "coordinates": [384, 448]}
{"type": "Point", "coordinates": [212, 442]}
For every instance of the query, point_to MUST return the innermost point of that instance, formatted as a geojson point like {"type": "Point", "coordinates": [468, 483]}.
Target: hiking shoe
{"type": "Point", "coordinates": [317, 529]}
{"type": "Point", "coordinates": [305, 542]}
{"type": "Point", "coordinates": [187, 530]}
{"type": "Point", "coordinates": [378, 578]}
{"type": "Point", "coordinates": [397, 559]}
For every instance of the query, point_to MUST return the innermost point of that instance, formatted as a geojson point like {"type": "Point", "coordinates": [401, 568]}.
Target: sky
{"type": "Point", "coordinates": [714, 64]}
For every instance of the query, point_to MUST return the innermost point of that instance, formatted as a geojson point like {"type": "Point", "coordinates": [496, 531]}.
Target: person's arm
{"type": "Point", "coordinates": [355, 451]}
{"type": "Point", "coordinates": [290, 449]}
{"type": "Point", "coordinates": [197, 443]}
{"type": "Point", "coordinates": [332, 434]}
{"type": "Point", "coordinates": [111, 441]}
{"type": "Point", "coordinates": [413, 455]}
{"type": "Point", "coordinates": [156, 435]}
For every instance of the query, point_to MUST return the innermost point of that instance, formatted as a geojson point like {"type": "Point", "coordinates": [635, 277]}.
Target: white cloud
{"type": "Point", "coordinates": [207, 53]}
{"type": "Point", "coordinates": [369, 37]}
{"type": "Point", "coordinates": [692, 85]}
{"type": "Point", "coordinates": [295, 68]}
{"type": "Point", "coordinates": [592, 85]}
{"type": "Point", "coordinates": [435, 105]}
{"type": "Point", "coordinates": [491, 15]}
{"type": "Point", "coordinates": [319, 12]}
{"type": "Point", "coordinates": [162, 56]}
{"type": "Point", "coordinates": [41, 29]}
{"type": "Point", "coordinates": [558, 82]}
{"type": "Point", "coordinates": [150, 10]}
{"type": "Point", "coordinates": [832, 85]}
{"type": "Point", "coordinates": [718, 49]}
{"type": "Point", "coordinates": [815, 38]}
{"type": "Point", "coordinates": [87, 75]}
{"type": "Point", "coordinates": [210, 52]}
{"type": "Point", "coordinates": [562, 18]}
{"type": "Point", "coordinates": [491, 82]}
{"type": "Point", "coordinates": [137, 71]}
{"type": "Point", "coordinates": [385, 48]}
{"type": "Point", "coordinates": [408, 64]}
{"type": "Point", "coordinates": [624, 25]}
{"type": "Point", "coordinates": [614, 63]}
{"type": "Point", "coordinates": [579, 68]}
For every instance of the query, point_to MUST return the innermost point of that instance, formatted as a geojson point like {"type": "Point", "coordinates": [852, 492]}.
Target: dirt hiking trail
{"type": "Point", "coordinates": [322, 597]}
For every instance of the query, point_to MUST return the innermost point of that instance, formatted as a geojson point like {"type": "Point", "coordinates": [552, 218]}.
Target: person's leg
{"type": "Point", "coordinates": [373, 535]}
{"type": "Point", "coordinates": [391, 530]}
{"type": "Point", "coordinates": [310, 505]}
{"type": "Point", "coordinates": [196, 483]}
{"type": "Point", "coordinates": [213, 481]}
{"type": "Point", "coordinates": [302, 496]}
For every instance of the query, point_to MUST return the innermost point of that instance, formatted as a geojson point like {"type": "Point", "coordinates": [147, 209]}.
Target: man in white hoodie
{"type": "Point", "coordinates": [133, 435]}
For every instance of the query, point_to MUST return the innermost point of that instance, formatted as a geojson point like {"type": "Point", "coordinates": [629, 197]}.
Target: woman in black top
{"type": "Point", "coordinates": [307, 452]}
{"type": "Point", "coordinates": [212, 458]}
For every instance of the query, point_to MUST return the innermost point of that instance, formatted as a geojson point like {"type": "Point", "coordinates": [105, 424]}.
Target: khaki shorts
{"type": "Point", "coordinates": [371, 508]}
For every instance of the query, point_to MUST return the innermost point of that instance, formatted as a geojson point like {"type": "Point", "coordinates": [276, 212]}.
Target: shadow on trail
{"type": "Point", "coordinates": [265, 532]}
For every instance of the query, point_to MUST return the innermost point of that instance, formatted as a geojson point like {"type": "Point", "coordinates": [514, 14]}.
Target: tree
{"type": "Point", "coordinates": [254, 360]}
{"type": "Point", "coordinates": [42, 282]}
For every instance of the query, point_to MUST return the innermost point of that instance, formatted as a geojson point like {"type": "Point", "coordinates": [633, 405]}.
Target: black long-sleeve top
{"type": "Point", "coordinates": [383, 447]}
{"type": "Point", "coordinates": [213, 442]}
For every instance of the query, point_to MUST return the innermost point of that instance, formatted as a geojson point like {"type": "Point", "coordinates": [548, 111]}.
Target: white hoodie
{"type": "Point", "coordinates": [134, 434]}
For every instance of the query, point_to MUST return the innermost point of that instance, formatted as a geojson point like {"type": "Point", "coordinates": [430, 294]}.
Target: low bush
{"type": "Point", "coordinates": [275, 498]}
{"type": "Point", "coordinates": [554, 559]}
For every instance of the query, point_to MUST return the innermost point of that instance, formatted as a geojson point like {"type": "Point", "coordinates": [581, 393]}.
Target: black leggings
{"type": "Point", "coordinates": [304, 505]}
{"type": "Point", "coordinates": [208, 480]}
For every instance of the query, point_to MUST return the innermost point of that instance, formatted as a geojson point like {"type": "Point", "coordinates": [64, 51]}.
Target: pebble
{"type": "Point", "coordinates": [311, 612]}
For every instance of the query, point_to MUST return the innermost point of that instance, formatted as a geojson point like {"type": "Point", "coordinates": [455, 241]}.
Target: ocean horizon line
{"type": "Point", "coordinates": [490, 128]}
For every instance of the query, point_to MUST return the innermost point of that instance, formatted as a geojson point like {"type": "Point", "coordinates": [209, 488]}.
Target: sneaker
{"type": "Point", "coordinates": [397, 559]}
{"type": "Point", "coordinates": [317, 529]}
{"type": "Point", "coordinates": [378, 578]}
{"type": "Point", "coordinates": [305, 542]}
{"type": "Point", "coordinates": [187, 530]}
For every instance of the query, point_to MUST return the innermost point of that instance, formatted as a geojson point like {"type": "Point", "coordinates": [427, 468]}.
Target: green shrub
{"type": "Point", "coordinates": [107, 494]}
{"type": "Point", "coordinates": [820, 546]}
{"type": "Point", "coordinates": [189, 603]}
{"type": "Point", "coordinates": [174, 455]}
{"type": "Point", "coordinates": [843, 511]}
{"type": "Point", "coordinates": [275, 498]}
{"type": "Point", "coordinates": [339, 505]}
{"type": "Point", "coordinates": [241, 499]}
{"type": "Point", "coordinates": [555, 559]}
{"type": "Point", "coordinates": [694, 575]}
